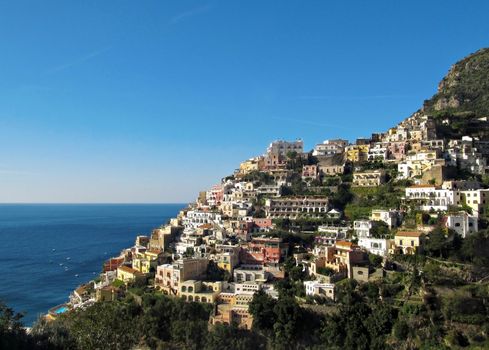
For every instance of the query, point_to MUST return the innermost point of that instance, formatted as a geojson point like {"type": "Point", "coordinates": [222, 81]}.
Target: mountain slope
{"type": "Point", "coordinates": [461, 105]}
{"type": "Point", "coordinates": [465, 89]}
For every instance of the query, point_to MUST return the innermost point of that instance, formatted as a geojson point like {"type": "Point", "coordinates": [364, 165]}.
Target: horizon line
{"type": "Point", "coordinates": [92, 203]}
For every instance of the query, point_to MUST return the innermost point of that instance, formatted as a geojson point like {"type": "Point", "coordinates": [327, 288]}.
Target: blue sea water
{"type": "Point", "coordinates": [47, 250]}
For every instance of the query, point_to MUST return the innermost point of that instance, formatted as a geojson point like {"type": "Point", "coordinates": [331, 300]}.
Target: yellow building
{"type": "Point", "coordinates": [201, 292]}
{"type": "Point", "coordinates": [128, 274]}
{"type": "Point", "coordinates": [232, 314]}
{"type": "Point", "coordinates": [108, 293]}
{"type": "Point", "coordinates": [372, 178]}
{"type": "Point", "coordinates": [250, 165]}
{"type": "Point", "coordinates": [357, 153]}
{"type": "Point", "coordinates": [228, 260]}
{"type": "Point", "coordinates": [408, 242]}
{"type": "Point", "coordinates": [147, 261]}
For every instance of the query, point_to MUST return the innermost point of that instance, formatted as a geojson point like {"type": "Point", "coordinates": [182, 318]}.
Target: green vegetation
{"type": "Point", "coordinates": [364, 199]}
{"type": "Point", "coordinates": [258, 178]}
{"type": "Point", "coordinates": [12, 333]}
{"type": "Point", "coordinates": [432, 302]}
{"type": "Point", "coordinates": [158, 322]}
{"type": "Point", "coordinates": [462, 98]}
{"type": "Point", "coordinates": [465, 88]}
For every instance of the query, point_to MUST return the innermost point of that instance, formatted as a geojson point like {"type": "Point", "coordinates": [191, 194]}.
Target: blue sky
{"type": "Point", "coordinates": [152, 101]}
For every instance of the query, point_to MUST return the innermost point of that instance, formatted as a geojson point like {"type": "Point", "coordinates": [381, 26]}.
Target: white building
{"type": "Point", "coordinates": [429, 197]}
{"type": "Point", "coordinates": [362, 228]}
{"type": "Point", "coordinates": [461, 153]}
{"type": "Point", "coordinates": [317, 288]}
{"type": "Point", "coordinates": [463, 223]}
{"type": "Point", "coordinates": [330, 147]}
{"type": "Point", "coordinates": [247, 288]}
{"type": "Point", "coordinates": [417, 163]}
{"type": "Point", "coordinates": [379, 246]}
{"type": "Point", "coordinates": [250, 273]}
{"type": "Point", "coordinates": [390, 217]}
{"type": "Point", "coordinates": [269, 190]}
{"type": "Point", "coordinates": [293, 207]}
{"type": "Point", "coordinates": [195, 218]}
{"type": "Point", "coordinates": [377, 151]}
{"type": "Point", "coordinates": [328, 235]}
{"type": "Point", "coordinates": [281, 148]}
{"type": "Point", "coordinates": [475, 199]}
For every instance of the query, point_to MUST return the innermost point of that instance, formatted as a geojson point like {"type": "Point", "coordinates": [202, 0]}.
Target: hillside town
{"type": "Point", "coordinates": [340, 211]}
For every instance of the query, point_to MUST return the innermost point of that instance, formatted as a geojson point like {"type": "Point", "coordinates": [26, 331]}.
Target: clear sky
{"type": "Point", "coordinates": [152, 101]}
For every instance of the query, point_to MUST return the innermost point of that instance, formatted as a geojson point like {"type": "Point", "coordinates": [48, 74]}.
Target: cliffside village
{"type": "Point", "coordinates": [234, 228]}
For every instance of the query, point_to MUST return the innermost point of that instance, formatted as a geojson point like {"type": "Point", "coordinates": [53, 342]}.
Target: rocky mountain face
{"type": "Point", "coordinates": [465, 89]}
{"type": "Point", "coordinates": [461, 105]}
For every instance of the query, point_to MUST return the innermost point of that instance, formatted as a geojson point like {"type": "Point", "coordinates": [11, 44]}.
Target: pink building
{"type": "Point", "coordinates": [397, 150]}
{"type": "Point", "coordinates": [310, 172]}
{"type": "Point", "coordinates": [215, 195]}
{"type": "Point", "coordinates": [262, 224]}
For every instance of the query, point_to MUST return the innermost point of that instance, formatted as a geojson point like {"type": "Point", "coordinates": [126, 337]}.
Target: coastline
{"type": "Point", "coordinates": [87, 233]}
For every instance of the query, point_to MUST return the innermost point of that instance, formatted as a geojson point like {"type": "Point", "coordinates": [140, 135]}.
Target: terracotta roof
{"type": "Point", "coordinates": [344, 244]}
{"type": "Point", "coordinates": [81, 290]}
{"type": "Point", "coordinates": [408, 234]}
{"type": "Point", "coordinates": [204, 226]}
{"type": "Point", "coordinates": [128, 269]}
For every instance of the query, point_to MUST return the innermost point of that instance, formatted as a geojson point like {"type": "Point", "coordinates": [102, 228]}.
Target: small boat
{"type": "Point", "coordinates": [60, 264]}
{"type": "Point", "coordinates": [54, 250]}
{"type": "Point", "coordinates": [68, 258]}
{"type": "Point", "coordinates": [76, 275]}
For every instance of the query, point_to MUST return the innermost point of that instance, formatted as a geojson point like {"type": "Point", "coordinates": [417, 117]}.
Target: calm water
{"type": "Point", "coordinates": [34, 277]}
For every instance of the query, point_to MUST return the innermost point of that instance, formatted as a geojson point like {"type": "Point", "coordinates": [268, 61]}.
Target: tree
{"type": "Point", "coordinates": [231, 337]}
{"type": "Point", "coordinates": [12, 333]}
{"type": "Point", "coordinates": [106, 325]}
{"type": "Point", "coordinates": [436, 244]}
{"type": "Point", "coordinates": [375, 260]}
{"type": "Point", "coordinates": [262, 309]}
{"type": "Point", "coordinates": [475, 248]}
{"type": "Point", "coordinates": [215, 273]}
{"type": "Point", "coordinates": [287, 318]}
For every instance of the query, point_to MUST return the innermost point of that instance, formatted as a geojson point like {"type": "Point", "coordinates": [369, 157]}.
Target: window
{"type": "Point", "coordinates": [412, 243]}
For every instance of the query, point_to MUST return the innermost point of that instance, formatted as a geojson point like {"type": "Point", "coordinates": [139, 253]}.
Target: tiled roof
{"type": "Point", "coordinates": [344, 244]}
{"type": "Point", "coordinates": [128, 269]}
{"type": "Point", "coordinates": [408, 234]}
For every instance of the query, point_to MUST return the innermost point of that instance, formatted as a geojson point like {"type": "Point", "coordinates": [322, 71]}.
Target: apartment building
{"type": "Point", "coordinates": [371, 178]}
{"type": "Point", "coordinates": [293, 207]}
{"type": "Point", "coordinates": [169, 276]}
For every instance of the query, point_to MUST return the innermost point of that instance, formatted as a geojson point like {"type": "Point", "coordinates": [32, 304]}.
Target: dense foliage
{"type": "Point", "coordinates": [429, 301]}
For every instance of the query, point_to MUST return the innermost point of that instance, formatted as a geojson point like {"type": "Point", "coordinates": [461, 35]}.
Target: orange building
{"type": "Point", "coordinates": [263, 251]}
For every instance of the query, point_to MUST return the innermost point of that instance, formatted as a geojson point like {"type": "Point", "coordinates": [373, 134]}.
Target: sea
{"type": "Point", "coordinates": [47, 250]}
